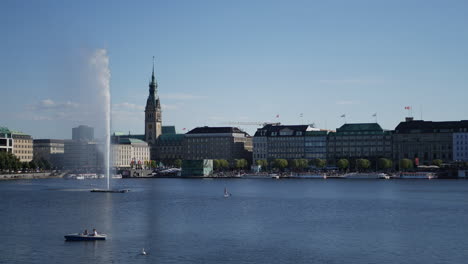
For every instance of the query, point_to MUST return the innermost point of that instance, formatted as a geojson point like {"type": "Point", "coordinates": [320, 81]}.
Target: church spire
{"type": "Point", "coordinates": [153, 84]}
{"type": "Point", "coordinates": [152, 76]}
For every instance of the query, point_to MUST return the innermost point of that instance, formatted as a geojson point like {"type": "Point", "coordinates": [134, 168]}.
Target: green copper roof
{"type": "Point", "coordinates": [360, 127]}
{"type": "Point", "coordinates": [4, 130]}
{"type": "Point", "coordinates": [168, 130]}
{"type": "Point", "coordinates": [171, 137]}
{"type": "Point", "coordinates": [130, 141]}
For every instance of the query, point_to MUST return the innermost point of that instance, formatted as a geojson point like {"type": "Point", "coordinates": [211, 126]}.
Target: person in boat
{"type": "Point", "coordinates": [95, 233]}
{"type": "Point", "coordinates": [85, 233]}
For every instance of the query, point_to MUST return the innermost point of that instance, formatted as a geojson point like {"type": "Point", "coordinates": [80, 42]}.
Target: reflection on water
{"type": "Point", "coordinates": [264, 221]}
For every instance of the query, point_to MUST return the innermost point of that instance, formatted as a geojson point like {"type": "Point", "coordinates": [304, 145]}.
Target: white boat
{"type": "Point", "coordinates": [274, 176]}
{"type": "Point", "coordinates": [357, 175]}
{"type": "Point", "coordinates": [82, 237]}
{"type": "Point", "coordinates": [117, 176]}
{"type": "Point", "coordinates": [226, 193]}
{"type": "Point", "coordinates": [418, 175]}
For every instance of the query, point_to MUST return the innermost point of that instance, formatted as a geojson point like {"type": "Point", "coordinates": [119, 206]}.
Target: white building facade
{"type": "Point", "coordinates": [130, 151]}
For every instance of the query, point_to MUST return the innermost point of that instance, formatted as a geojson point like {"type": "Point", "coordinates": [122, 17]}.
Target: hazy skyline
{"type": "Point", "coordinates": [234, 61]}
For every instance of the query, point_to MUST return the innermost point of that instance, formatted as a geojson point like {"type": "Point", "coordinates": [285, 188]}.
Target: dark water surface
{"type": "Point", "coordinates": [264, 221]}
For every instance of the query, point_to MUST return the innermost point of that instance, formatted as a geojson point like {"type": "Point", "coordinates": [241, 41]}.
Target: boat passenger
{"type": "Point", "coordinates": [95, 232]}
{"type": "Point", "coordinates": [85, 233]}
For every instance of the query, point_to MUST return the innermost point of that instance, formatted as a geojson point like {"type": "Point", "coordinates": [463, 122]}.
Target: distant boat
{"type": "Point", "coordinates": [81, 237]}
{"type": "Point", "coordinates": [226, 193]}
{"type": "Point", "coordinates": [357, 175]}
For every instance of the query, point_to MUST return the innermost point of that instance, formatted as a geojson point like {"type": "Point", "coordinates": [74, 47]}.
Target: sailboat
{"type": "Point", "coordinates": [226, 193]}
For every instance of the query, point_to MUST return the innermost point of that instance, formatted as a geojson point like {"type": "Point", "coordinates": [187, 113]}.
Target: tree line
{"type": "Point", "coordinates": [9, 162]}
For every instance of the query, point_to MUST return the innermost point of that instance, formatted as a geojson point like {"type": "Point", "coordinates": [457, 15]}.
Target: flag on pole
{"type": "Point", "coordinates": [183, 128]}
{"type": "Point", "coordinates": [374, 115]}
{"type": "Point", "coordinates": [343, 115]}
{"type": "Point", "coordinates": [407, 107]}
{"type": "Point", "coordinates": [301, 115]}
{"type": "Point", "coordinates": [277, 116]}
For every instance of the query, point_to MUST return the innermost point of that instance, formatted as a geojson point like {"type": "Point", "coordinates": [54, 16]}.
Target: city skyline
{"type": "Point", "coordinates": [235, 62]}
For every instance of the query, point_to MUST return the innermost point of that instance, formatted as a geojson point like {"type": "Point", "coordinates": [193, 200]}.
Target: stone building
{"type": "Point", "coordinates": [51, 150]}
{"type": "Point", "coordinates": [289, 142]}
{"type": "Point", "coordinates": [22, 146]}
{"type": "Point", "coordinates": [129, 150]}
{"type": "Point", "coordinates": [227, 143]}
{"type": "Point", "coordinates": [425, 141]}
{"type": "Point", "coordinates": [359, 140]}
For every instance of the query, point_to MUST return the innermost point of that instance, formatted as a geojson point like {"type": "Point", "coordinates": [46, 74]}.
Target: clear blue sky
{"type": "Point", "coordinates": [220, 61]}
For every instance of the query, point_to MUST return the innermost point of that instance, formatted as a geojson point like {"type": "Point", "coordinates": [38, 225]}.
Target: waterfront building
{"type": "Point", "coordinates": [170, 147]}
{"type": "Point", "coordinates": [227, 143]}
{"type": "Point", "coordinates": [425, 141]}
{"type": "Point", "coordinates": [315, 144]}
{"type": "Point", "coordinates": [51, 150]}
{"type": "Point", "coordinates": [288, 142]}
{"type": "Point", "coordinates": [83, 132]}
{"type": "Point", "coordinates": [22, 146]}
{"type": "Point", "coordinates": [359, 140]}
{"type": "Point", "coordinates": [126, 151]}
{"type": "Point", "coordinates": [460, 146]}
{"type": "Point", "coordinates": [80, 154]}
{"type": "Point", "coordinates": [6, 140]}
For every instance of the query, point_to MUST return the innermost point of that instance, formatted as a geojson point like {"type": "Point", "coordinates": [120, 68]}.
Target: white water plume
{"type": "Point", "coordinates": [99, 63]}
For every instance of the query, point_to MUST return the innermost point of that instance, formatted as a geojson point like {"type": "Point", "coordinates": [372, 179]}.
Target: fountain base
{"type": "Point", "coordinates": [110, 191]}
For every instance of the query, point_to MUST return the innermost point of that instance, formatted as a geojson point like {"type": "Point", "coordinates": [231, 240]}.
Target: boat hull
{"type": "Point", "coordinates": [77, 237]}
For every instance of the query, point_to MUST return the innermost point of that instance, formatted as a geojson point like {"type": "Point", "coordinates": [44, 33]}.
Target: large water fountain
{"type": "Point", "coordinates": [100, 64]}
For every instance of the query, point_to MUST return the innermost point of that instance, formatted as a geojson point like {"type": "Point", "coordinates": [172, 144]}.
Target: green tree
{"type": "Point", "coordinates": [406, 164]}
{"type": "Point", "coordinates": [320, 163]}
{"type": "Point", "coordinates": [154, 165]}
{"type": "Point", "coordinates": [223, 164]}
{"type": "Point", "coordinates": [363, 164]}
{"type": "Point", "coordinates": [262, 162]}
{"type": "Point", "coordinates": [437, 162]}
{"type": "Point", "coordinates": [25, 166]}
{"type": "Point", "coordinates": [342, 164]}
{"type": "Point", "coordinates": [240, 163]}
{"type": "Point", "coordinates": [178, 163]}
{"type": "Point", "coordinates": [280, 164]}
{"type": "Point", "coordinates": [216, 164]}
{"type": "Point", "coordinates": [384, 163]}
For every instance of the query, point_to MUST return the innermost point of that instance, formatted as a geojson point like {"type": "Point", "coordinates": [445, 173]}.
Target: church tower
{"type": "Point", "coordinates": [153, 121]}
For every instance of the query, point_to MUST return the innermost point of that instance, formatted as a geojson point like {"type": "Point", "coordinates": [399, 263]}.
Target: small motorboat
{"type": "Point", "coordinates": [81, 237]}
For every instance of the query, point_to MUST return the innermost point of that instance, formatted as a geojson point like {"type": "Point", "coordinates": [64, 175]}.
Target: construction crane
{"type": "Point", "coordinates": [253, 123]}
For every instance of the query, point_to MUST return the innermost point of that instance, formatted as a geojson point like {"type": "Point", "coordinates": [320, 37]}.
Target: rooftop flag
{"type": "Point", "coordinates": [343, 115]}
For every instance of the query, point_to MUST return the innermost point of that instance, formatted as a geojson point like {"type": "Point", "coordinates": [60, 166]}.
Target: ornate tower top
{"type": "Point", "coordinates": [153, 86]}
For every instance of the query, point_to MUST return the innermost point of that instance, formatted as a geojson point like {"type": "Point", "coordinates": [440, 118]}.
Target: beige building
{"type": "Point", "coordinates": [22, 146]}
{"type": "Point", "coordinates": [227, 143]}
{"type": "Point", "coordinates": [128, 151]}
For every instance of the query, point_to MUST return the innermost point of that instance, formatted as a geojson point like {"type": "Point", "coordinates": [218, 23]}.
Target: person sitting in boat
{"type": "Point", "coordinates": [94, 232]}
{"type": "Point", "coordinates": [85, 233]}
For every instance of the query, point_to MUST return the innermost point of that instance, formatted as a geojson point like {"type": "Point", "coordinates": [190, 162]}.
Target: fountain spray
{"type": "Point", "coordinates": [100, 63]}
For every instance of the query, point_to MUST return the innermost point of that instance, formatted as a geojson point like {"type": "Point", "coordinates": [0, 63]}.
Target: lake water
{"type": "Point", "coordinates": [264, 221]}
